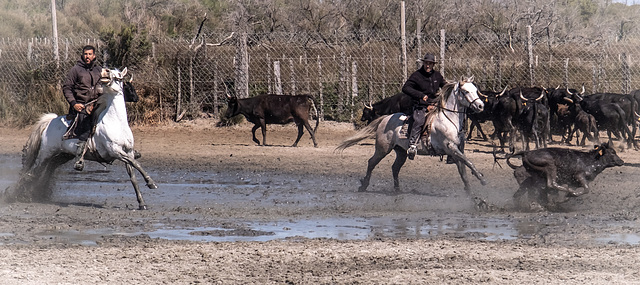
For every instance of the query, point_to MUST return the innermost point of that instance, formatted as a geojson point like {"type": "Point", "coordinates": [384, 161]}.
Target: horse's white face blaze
{"type": "Point", "coordinates": [470, 92]}
{"type": "Point", "coordinates": [114, 81]}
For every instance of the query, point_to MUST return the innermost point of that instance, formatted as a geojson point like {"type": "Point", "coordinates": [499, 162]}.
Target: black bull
{"type": "Point", "coordinates": [275, 109]}
{"type": "Point", "coordinates": [549, 169]}
{"type": "Point", "coordinates": [399, 103]}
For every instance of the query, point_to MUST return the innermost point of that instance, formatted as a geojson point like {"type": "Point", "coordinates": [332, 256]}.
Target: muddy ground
{"type": "Point", "coordinates": [283, 215]}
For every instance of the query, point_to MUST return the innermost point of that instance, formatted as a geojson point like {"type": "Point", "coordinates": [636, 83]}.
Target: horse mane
{"type": "Point", "coordinates": [444, 93]}
{"type": "Point", "coordinates": [447, 89]}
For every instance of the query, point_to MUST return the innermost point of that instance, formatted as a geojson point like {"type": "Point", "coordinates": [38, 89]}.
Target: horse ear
{"type": "Point", "coordinates": [124, 72]}
{"type": "Point", "coordinates": [470, 79]}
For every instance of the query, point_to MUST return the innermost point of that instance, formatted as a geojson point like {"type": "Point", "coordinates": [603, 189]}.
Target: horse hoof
{"type": "Point", "coordinates": [136, 154]}
{"type": "Point", "coordinates": [79, 166]}
{"type": "Point", "coordinates": [142, 207]}
{"type": "Point", "coordinates": [152, 186]}
{"type": "Point", "coordinates": [483, 182]}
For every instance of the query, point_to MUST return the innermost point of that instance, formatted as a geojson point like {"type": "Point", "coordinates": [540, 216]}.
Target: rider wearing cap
{"type": "Point", "coordinates": [422, 86]}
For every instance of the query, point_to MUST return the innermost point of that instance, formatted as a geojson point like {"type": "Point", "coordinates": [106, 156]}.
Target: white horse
{"type": "Point", "coordinates": [446, 134]}
{"type": "Point", "coordinates": [112, 140]}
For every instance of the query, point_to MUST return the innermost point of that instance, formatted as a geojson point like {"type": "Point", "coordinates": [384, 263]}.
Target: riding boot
{"type": "Point", "coordinates": [411, 152]}
{"type": "Point", "coordinates": [79, 165]}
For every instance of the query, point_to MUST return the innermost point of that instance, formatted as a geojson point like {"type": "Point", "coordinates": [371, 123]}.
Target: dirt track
{"type": "Point", "coordinates": [590, 240]}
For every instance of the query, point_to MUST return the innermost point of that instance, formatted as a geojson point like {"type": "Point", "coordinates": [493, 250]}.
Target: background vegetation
{"type": "Point", "coordinates": [156, 37]}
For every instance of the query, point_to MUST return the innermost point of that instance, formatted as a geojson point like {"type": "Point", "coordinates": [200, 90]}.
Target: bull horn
{"type": "Point", "coordinates": [569, 91]}
{"type": "Point", "coordinates": [568, 100]}
{"type": "Point", "coordinates": [480, 93]}
{"type": "Point", "coordinates": [558, 87]}
{"type": "Point", "coordinates": [368, 106]}
{"type": "Point", "coordinates": [503, 90]}
{"type": "Point", "coordinates": [131, 79]}
{"type": "Point", "coordinates": [539, 97]}
{"type": "Point", "coordinates": [522, 97]}
{"type": "Point", "coordinates": [582, 92]}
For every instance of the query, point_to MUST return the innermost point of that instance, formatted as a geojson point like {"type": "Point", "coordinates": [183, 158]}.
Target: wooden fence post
{"type": "Point", "coordinates": [626, 86]}
{"type": "Point", "coordinates": [276, 75]}
{"type": "Point", "coordinates": [320, 89]}
{"type": "Point", "coordinates": [566, 73]}
{"type": "Point", "coordinates": [293, 77]}
{"type": "Point", "coordinates": [354, 85]}
{"type": "Point", "coordinates": [530, 50]}
{"type": "Point", "coordinates": [179, 101]}
{"type": "Point", "coordinates": [242, 67]}
{"type": "Point", "coordinates": [403, 36]}
{"type": "Point", "coordinates": [269, 84]}
{"type": "Point", "coordinates": [442, 49]}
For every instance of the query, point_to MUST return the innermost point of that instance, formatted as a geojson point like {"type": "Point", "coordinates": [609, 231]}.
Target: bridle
{"type": "Point", "coordinates": [459, 92]}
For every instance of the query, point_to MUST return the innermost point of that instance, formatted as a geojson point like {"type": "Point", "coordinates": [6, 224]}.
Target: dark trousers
{"type": "Point", "coordinates": [84, 126]}
{"type": "Point", "coordinates": [419, 117]}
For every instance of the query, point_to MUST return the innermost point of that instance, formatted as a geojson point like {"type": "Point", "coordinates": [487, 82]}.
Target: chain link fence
{"type": "Point", "coordinates": [185, 78]}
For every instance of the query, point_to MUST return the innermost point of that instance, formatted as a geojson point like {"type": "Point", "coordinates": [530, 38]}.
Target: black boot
{"type": "Point", "coordinates": [79, 165]}
{"type": "Point", "coordinates": [411, 152]}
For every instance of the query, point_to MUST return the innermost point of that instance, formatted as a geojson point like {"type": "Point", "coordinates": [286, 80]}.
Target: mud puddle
{"type": "Point", "coordinates": [305, 207]}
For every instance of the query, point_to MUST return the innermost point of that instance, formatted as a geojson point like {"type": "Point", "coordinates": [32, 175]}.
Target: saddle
{"type": "Point", "coordinates": [424, 147]}
{"type": "Point", "coordinates": [71, 130]}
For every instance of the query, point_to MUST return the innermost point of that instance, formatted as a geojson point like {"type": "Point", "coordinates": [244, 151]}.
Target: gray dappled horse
{"type": "Point", "coordinates": [446, 134]}
{"type": "Point", "coordinates": [112, 140]}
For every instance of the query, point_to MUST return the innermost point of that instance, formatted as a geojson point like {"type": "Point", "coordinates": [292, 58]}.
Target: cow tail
{"type": "Point", "coordinates": [365, 133]}
{"type": "Point", "coordinates": [509, 156]}
{"type": "Point", "coordinates": [313, 104]}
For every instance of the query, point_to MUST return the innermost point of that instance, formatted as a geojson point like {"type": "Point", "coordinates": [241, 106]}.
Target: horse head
{"type": "Point", "coordinates": [470, 93]}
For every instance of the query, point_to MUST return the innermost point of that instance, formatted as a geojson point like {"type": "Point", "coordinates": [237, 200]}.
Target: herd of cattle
{"type": "Point", "coordinates": [524, 113]}
{"type": "Point", "coordinates": [535, 113]}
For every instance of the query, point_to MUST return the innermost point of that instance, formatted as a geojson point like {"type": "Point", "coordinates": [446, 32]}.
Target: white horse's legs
{"type": "Point", "coordinates": [135, 164]}
{"type": "Point", "coordinates": [132, 176]}
{"type": "Point", "coordinates": [462, 169]}
{"type": "Point", "coordinates": [462, 160]}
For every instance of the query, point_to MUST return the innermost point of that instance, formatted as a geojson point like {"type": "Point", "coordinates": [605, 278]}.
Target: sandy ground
{"type": "Point", "coordinates": [566, 246]}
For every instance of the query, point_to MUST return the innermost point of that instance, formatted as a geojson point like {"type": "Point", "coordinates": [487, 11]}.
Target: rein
{"type": "Point", "coordinates": [457, 91]}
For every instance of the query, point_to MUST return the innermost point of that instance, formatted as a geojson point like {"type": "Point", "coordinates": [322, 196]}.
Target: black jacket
{"type": "Point", "coordinates": [79, 85]}
{"type": "Point", "coordinates": [421, 83]}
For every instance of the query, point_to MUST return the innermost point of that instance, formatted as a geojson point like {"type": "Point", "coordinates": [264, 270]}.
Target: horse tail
{"type": "Point", "coordinates": [509, 156]}
{"type": "Point", "coordinates": [367, 132]}
{"type": "Point", "coordinates": [31, 149]}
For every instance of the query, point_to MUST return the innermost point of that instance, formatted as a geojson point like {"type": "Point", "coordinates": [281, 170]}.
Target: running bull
{"type": "Point", "coordinates": [551, 168]}
{"type": "Point", "coordinates": [275, 109]}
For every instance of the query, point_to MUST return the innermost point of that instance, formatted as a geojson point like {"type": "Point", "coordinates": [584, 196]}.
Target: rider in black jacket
{"type": "Point", "coordinates": [422, 86]}
{"type": "Point", "coordinates": [79, 88]}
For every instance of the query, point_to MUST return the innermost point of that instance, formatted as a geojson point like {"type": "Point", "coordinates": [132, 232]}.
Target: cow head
{"type": "Point", "coordinates": [129, 91]}
{"type": "Point", "coordinates": [368, 114]}
{"type": "Point", "coordinates": [232, 107]}
{"type": "Point", "coordinates": [606, 154]}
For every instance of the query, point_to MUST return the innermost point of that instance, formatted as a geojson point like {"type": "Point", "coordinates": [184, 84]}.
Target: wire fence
{"type": "Point", "coordinates": [183, 79]}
